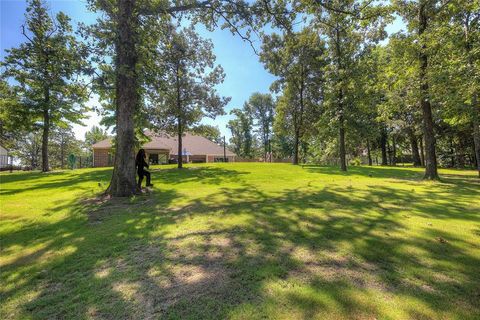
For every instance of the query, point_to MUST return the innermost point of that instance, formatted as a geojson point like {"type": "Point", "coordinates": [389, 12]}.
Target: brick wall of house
{"type": "Point", "coordinates": [100, 158]}
{"type": "Point", "coordinates": [194, 158]}
{"type": "Point", "coordinates": [212, 158]}
{"type": "Point", "coordinates": [197, 158]}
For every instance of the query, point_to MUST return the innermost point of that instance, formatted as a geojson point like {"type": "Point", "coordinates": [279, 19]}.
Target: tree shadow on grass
{"type": "Point", "coordinates": [38, 181]}
{"type": "Point", "coordinates": [373, 172]}
{"type": "Point", "coordinates": [389, 172]}
{"type": "Point", "coordinates": [203, 175]}
{"type": "Point", "coordinates": [310, 252]}
{"type": "Point", "coordinates": [62, 269]}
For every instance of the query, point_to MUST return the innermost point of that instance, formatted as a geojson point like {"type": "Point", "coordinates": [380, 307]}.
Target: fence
{"type": "Point", "coordinates": [238, 159]}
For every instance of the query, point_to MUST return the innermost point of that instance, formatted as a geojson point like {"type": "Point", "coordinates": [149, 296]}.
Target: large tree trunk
{"type": "Point", "coordinates": [475, 103]}
{"type": "Point", "coordinates": [452, 153]}
{"type": "Point", "coordinates": [414, 144]}
{"type": "Point", "coordinates": [394, 151]}
{"type": "Point", "coordinates": [422, 152]}
{"type": "Point", "coordinates": [123, 182]}
{"type": "Point", "coordinates": [389, 153]}
{"type": "Point", "coordinates": [298, 123]}
{"type": "Point", "coordinates": [180, 151]}
{"type": "Point", "coordinates": [35, 154]}
{"type": "Point", "coordinates": [341, 120]}
{"type": "Point", "coordinates": [369, 154]}
{"type": "Point", "coordinates": [428, 132]}
{"type": "Point", "coordinates": [179, 118]}
{"type": "Point", "coordinates": [46, 130]}
{"type": "Point", "coordinates": [62, 151]}
{"type": "Point", "coordinates": [296, 147]}
{"type": "Point", "coordinates": [270, 150]}
{"type": "Point", "coordinates": [476, 131]}
{"type": "Point", "coordinates": [341, 138]}
{"type": "Point", "coordinates": [304, 152]}
{"type": "Point", "coordinates": [264, 145]}
{"type": "Point", "coordinates": [383, 145]}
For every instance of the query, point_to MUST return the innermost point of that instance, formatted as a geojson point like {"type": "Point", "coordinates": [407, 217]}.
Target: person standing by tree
{"type": "Point", "coordinates": [141, 164]}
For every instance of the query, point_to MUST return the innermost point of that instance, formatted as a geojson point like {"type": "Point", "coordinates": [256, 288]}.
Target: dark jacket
{"type": "Point", "coordinates": [140, 163]}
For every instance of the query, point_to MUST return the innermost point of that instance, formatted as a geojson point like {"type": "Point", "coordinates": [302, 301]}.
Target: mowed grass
{"type": "Point", "coordinates": [242, 241]}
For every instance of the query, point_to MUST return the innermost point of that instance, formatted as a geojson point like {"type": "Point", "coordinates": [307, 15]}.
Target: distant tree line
{"type": "Point", "coordinates": [343, 93]}
{"type": "Point", "coordinates": [27, 150]}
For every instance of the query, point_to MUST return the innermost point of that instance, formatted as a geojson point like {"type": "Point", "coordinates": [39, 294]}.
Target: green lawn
{"type": "Point", "coordinates": [242, 241]}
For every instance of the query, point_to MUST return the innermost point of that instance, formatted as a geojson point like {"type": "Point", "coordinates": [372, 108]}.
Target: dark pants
{"type": "Point", "coordinates": [141, 174]}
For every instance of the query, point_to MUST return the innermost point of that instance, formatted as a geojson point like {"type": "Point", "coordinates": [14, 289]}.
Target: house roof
{"type": "Point", "coordinates": [104, 144]}
{"type": "Point", "coordinates": [193, 144]}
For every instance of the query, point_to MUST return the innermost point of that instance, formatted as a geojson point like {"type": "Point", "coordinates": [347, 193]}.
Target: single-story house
{"type": "Point", "coordinates": [163, 148]}
{"type": "Point", "coordinates": [3, 157]}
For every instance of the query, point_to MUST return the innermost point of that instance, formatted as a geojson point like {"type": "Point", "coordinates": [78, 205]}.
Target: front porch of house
{"type": "Point", "coordinates": [157, 156]}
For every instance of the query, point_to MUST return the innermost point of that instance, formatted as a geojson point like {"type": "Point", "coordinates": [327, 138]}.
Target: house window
{"type": "Point", "coordinates": [157, 158]}
{"type": "Point", "coordinates": [220, 159]}
{"type": "Point", "coordinates": [153, 158]}
{"type": "Point", "coordinates": [162, 158]}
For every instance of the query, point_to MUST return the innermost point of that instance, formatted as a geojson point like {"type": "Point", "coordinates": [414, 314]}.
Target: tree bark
{"type": "Point", "coordinates": [422, 152]}
{"type": "Point", "coordinates": [179, 117]}
{"type": "Point", "coordinates": [476, 131]}
{"type": "Point", "coordinates": [270, 150]}
{"type": "Point", "coordinates": [62, 151]}
{"type": "Point", "coordinates": [46, 112]}
{"type": "Point", "coordinates": [341, 120]}
{"type": "Point", "coordinates": [414, 144]}
{"type": "Point", "coordinates": [46, 131]}
{"type": "Point", "coordinates": [394, 150]}
{"type": "Point", "coordinates": [265, 147]}
{"type": "Point", "coordinates": [304, 152]}
{"type": "Point", "coordinates": [475, 103]}
{"type": "Point", "coordinates": [452, 153]}
{"type": "Point", "coordinates": [389, 153]}
{"type": "Point", "coordinates": [383, 145]}
{"type": "Point", "coordinates": [298, 122]}
{"type": "Point", "coordinates": [341, 138]}
{"type": "Point", "coordinates": [370, 162]}
{"type": "Point", "coordinates": [296, 147]}
{"type": "Point", "coordinates": [431, 172]}
{"type": "Point", "coordinates": [123, 182]}
{"type": "Point", "coordinates": [180, 151]}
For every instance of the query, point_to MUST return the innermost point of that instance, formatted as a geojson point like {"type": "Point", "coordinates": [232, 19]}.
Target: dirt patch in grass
{"type": "Point", "coordinates": [101, 207]}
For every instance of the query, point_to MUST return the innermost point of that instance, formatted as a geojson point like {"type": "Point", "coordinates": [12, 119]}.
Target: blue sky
{"type": "Point", "coordinates": [244, 73]}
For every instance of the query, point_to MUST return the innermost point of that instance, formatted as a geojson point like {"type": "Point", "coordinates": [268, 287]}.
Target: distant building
{"type": "Point", "coordinates": [163, 148]}
{"type": "Point", "coordinates": [3, 157]}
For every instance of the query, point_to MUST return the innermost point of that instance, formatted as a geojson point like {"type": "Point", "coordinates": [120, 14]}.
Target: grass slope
{"type": "Point", "coordinates": [242, 241]}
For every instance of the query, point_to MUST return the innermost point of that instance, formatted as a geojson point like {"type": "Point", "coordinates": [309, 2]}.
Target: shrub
{"type": "Point", "coordinates": [355, 161]}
